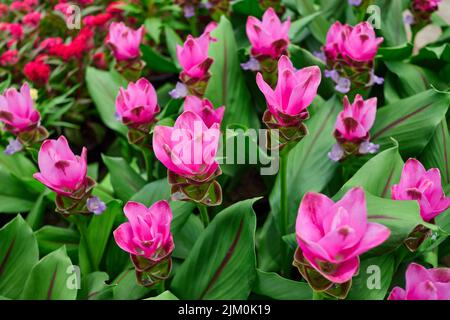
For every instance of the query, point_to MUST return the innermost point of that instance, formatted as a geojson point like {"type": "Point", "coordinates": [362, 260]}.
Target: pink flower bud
{"type": "Point", "coordinates": [17, 110]}
{"type": "Point", "coordinates": [333, 235]}
{"type": "Point", "coordinates": [189, 147]}
{"type": "Point", "coordinates": [268, 37]}
{"type": "Point", "coordinates": [205, 109]}
{"type": "Point", "coordinates": [424, 186]}
{"type": "Point", "coordinates": [361, 43]}
{"type": "Point", "coordinates": [138, 104]}
{"type": "Point", "coordinates": [125, 41]}
{"type": "Point", "coordinates": [426, 5]}
{"type": "Point", "coordinates": [61, 170]}
{"type": "Point", "coordinates": [193, 56]}
{"type": "Point", "coordinates": [355, 121]}
{"type": "Point", "coordinates": [335, 40]}
{"type": "Point", "coordinates": [424, 284]}
{"type": "Point", "coordinates": [295, 90]}
{"type": "Point", "coordinates": [147, 232]}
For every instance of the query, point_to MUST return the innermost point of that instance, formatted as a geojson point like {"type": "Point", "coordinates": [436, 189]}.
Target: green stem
{"type": "Point", "coordinates": [193, 24]}
{"type": "Point", "coordinates": [149, 159]}
{"type": "Point", "coordinates": [432, 257]}
{"type": "Point", "coordinates": [204, 214]}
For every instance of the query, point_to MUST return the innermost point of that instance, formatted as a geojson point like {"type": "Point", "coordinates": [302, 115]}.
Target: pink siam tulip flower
{"type": "Point", "coordinates": [423, 284]}
{"type": "Point", "coordinates": [361, 43]}
{"type": "Point", "coordinates": [205, 109]}
{"type": "Point", "coordinates": [17, 110]}
{"type": "Point", "coordinates": [193, 56]}
{"type": "Point", "coordinates": [424, 186]}
{"type": "Point", "coordinates": [335, 40]}
{"type": "Point", "coordinates": [32, 19]}
{"type": "Point", "coordinates": [9, 58]}
{"type": "Point", "coordinates": [354, 123]}
{"type": "Point", "coordinates": [188, 149]}
{"type": "Point", "coordinates": [138, 104]}
{"type": "Point", "coordinates": [61, 170]}
{"type": "Point", "coordinates": [125, 41]}
{"type": "Point", "coordinates": [426, 5]}
{"type": "Point", "coordinates": [295, 91]}
{"type": "Point", "coordinates": [268, 37]}
{"type": "Point", "coordinates": [333, 235]}
{"type": "Point", "coordinates": [147, 232]}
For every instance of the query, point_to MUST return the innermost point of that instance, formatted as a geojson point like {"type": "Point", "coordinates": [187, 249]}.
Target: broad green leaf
{"type": "Point", "coordinates": [393, 29]}
{"type": "Point", "coordinates": [103, 89]}
{"type": "Point", "coordinates": [156, 61]}
{"type": "Point", "coordinates": [186, 236]}
{"type": "Point", "coordinates": [298, 30]}
{"type": "Point", "coordinates": [52, 278]}
{"type": "Point", "coordinates": [125, 181]}
{"type": "Point", "coordinates": [308, 166]}
{"type": "Point", "coordinates": [172, 39]}
{"type": "Point", "coordinates": [51, 238]}
{"type": "Point", "coordinates": [35, 217]}
{"type": "Point", "coordinates": [411, 121]}
{"type": "Point", "coordinates": [153, 27]}
{"type": "Point", "coordinates": [166, 295]}
{"type": "Point", "coordinates": [274, 286]}
{"type": "Point", "coordinates": [269, 246]}
{"type": "Point", "coordinates": [18, 254]}
{"type": "Point", "coordinates": [221, 265]}
{"type": "Point", "coordinates": [247, 7]}
{"type": "Point", "coordinates": [437, 152]}
{"type": "Point", "coordinates": [227, 85]}
{"type": "Point", "coordinates": [94, 287]}
{"type": "Point", "coordinates": [400, 52]}
{"type": "Point", "coordinates": [374, 278]}
{"type": "Point", "coordinates": [126, 287]}
{"type": "Point", "coordinates": [98, 232]}
{"type": "Point", "coordinates": [377, 175]}
{"type": "Point", "coordinates": [319, 26]}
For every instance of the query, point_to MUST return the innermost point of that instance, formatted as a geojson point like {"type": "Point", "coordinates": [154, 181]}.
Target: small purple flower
{"type": "Point", "coordinates": [180, 91]}
{"type": "Point", "coordinates": [333, 75]}
{"type": "Point", "coordinates": [343, 85]}
{"type": "Point", "coordinates": [355, 3]}
{"type": "Point", "coordinates": [117, 116]}
{"type": "Point", "coordinates": [320, 55]}
{"type": "Point", "coordinates": [95, 205]}
{"type": "Point", "coordinates": [408, 19]}
{"type": "Point", "coordinates": [189, 11]}
{"type": "Point", "coordinates": [336, 153]}
{"type": "Point", "coordinates": [374, 79]}
{"type": "Point", "coordinates": [207, 5]}
{"type": "Point", "coordinates": [13, 147]}
{"type": "Point", "coordinates": [251, 64]}
{"type": "Point", "coordinates": [368, 147]}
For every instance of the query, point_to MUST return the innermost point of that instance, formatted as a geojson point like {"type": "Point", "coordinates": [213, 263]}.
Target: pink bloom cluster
{"type": "Point", "coordinates": [124, 41]}
{"type": "Point", "coordinates": [423, 284]}
{"type": "Point", "coordinates": [332, 235]}
{"type": "Point", "coordinates": [424, 186]}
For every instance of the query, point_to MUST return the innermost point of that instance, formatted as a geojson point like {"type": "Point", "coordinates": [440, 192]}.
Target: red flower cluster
{"type": "Point", "coordinates": [37, 71]}
{"type": "Point", "coordinates": [81, 44]}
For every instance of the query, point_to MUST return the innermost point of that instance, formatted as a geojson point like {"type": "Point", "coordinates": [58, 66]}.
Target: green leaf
{"type": "Point", "coordinates": [393, 30]}
{"type": "Point", "coordinates": [247, 7]}
{"type": "Point", "coordinates": [227, 87]}
{"type": "Point", "coordinates": [18, 254]}
{"type": "Point", "coordinates": [153, 27]}
{"type": "Point", "coordinates": [95, 288]}
{"type": "Point", "coordinates": [397, 53]}
{"type": "Point", "coordinates": [186, 236]}
{"type": "Point", "coordinates": [172, 39]}
{"type": "Point", "coordinates": [377, 175]}
{"type": "Point", "coordinates": [103, 89]}
{"type": "Point", "coordinates": [222, 262]}
{"type": "Point", "coordinates": [411, 121]}
{"type": "Point", "coordinates": [374, 278]}
{"type": "Point", "coordinates": [51, 238]}
{"type": "Point", "coordinates": [50, 278]}
{"type": "Point", "coordinates": [298, 31]}
{"type": "Point", "coordinates": [35, 217]}
{"type": "Point", "coordinates": [156, 61]}
{"type": "Point", "coordinates": [126, 287]}
{"type": "Point", "coordinates": [166, 295]}
{"type": "Point", "coordinates": [319, 26]}
{"type": "Point", "coordinates": [308, 166]}
{"type": "Point", "coordinates": [125, 181]}
{"type": "Point", "coordinates": [437, 152]}
{"type": "Point", "coordinates": [274, 286]}
{"type": "Point", "coordinates": [99, 231]}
